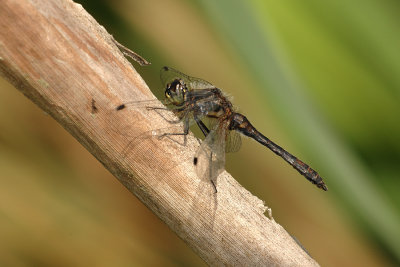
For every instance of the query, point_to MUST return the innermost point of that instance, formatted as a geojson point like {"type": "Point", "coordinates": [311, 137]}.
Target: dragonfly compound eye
{"type": "Point", "coordinates": [177, 86]}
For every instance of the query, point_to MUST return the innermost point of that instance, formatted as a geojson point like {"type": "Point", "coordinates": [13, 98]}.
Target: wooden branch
{"type": "Point", "coordinates": [63, 60]}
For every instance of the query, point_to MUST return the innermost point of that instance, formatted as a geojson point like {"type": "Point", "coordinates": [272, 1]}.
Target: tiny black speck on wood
{"type": "Point", "coordinates": [122, 106]}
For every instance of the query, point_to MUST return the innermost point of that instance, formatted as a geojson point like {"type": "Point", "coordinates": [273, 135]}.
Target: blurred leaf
{"type": "Point", "coordinates": [256, 32]}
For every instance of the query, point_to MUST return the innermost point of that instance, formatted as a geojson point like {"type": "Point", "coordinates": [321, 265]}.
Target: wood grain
{"type": "Point", "coordinates": [58, 56]}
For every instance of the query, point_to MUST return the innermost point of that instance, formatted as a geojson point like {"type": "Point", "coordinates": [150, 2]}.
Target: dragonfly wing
{"type": "Point", "coordinates": [199, 84]}
{"type": "Point", "coordinates": [140, 104]}
{"type": "Point", "coordinates": [210, 158]}
{"type": "Point", "coordinates": [233, 142]}
{"type": "Point", "coordinates": [169, 74]}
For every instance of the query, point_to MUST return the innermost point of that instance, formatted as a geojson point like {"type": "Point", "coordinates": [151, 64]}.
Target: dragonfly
{"type": "Point", "coordinates": [195, 101]}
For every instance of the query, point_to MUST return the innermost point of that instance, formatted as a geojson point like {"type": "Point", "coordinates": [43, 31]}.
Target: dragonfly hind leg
{"type": "Point", "coordinates": [202, 126]}
{"type": "Point", "coordinates": [184, 133]}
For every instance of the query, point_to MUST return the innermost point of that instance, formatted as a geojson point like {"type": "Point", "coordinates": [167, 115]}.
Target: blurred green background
{"type": "Point", "coordinates": [320, 78]}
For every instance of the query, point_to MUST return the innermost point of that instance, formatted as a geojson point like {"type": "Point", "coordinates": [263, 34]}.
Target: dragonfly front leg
{"type": "Point", "coordinates": [162, 116]}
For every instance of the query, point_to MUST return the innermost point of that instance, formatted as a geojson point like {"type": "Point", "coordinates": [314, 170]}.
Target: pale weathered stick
{"type": "Point", "coordinates": [60, 58]}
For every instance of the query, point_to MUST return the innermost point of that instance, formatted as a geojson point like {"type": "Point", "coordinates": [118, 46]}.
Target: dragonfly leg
{"type": "Point", "coordinates": [159, 113]}
{"type": "Point", "coordinates": [202, 126]}
{"type": "Point", "coordinates": [185, 132]}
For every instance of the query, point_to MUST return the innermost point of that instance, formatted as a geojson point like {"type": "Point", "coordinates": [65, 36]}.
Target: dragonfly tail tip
{"type": "Point", "coordinates": [323, 187]}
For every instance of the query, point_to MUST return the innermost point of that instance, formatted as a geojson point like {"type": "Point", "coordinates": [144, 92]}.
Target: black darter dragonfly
{"type": "Point", "coordinates": [194, 100]}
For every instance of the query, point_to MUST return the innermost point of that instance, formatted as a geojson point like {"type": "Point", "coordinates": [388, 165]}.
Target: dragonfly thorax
{"type": "Point", "coordinates": [175, 92]}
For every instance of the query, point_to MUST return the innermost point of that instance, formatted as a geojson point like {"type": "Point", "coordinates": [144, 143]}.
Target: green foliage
{"type": "Point", "coordinates": [331, 74]}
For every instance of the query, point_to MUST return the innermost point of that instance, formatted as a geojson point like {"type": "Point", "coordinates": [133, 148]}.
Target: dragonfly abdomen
{"type": "Point", "coordinates": [241, 124]}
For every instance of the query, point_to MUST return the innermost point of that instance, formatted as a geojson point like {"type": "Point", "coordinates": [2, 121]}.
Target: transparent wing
{"type": "Point", "coordinates": [149, 105]}
{"type": "Point", "coordinates": [141, 104]}
{"type": "Point", "coordinates": [210, 158]}
{"type": "Point", "coordinates": [211, 123]}
{"type": "Point", "coordinates": [233, 142]}
{"type": "Point", "coordinates": [169, 74]}
{"type": "Point", "coordinates": [174, 130]}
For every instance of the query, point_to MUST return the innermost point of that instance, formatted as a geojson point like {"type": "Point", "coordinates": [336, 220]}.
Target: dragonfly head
{"type": "Point", "coordinates": [175, 92]}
